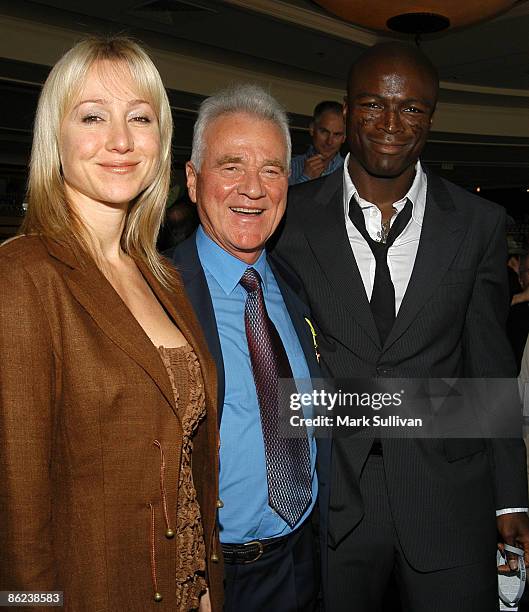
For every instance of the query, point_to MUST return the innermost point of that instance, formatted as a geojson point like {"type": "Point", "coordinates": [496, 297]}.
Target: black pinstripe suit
{"type": "Point", "coordinates": [443, 494]}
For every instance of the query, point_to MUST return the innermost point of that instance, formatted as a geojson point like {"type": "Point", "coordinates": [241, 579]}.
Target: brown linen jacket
{"type": "Point", "coordinates": [90, 441]}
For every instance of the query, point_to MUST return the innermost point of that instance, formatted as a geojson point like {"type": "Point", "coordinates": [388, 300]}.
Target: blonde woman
{"type": "Point", "coordinates": [106, 385]}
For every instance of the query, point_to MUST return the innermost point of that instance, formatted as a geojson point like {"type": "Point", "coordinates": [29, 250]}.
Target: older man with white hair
{"type": "Point", "coordinates": [256, 330]}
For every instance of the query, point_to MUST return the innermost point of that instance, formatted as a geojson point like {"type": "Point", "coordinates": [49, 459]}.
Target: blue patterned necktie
{"type": "Point", "coordinates": [288, 470]}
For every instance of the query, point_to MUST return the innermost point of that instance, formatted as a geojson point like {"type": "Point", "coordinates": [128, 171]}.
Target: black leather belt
{"type": "Point", "coordinates": [250, 551]}
{"type": "Point", "coordinates": [376, 448]}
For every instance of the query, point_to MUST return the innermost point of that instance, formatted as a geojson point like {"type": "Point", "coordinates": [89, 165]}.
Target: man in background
{"type": "Point", "coordinates": [327, 130]}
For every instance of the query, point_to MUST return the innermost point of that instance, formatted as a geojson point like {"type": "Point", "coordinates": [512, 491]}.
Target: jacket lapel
{"type": "Point", "coordinates": [327, 236]}
{"type": "Point", "coordinates": [442, 231]}
{"type": "Point", "coordinates": [185, 259]}
{"type": "Point", "coordinates": [181, 311]}
{"type": "Point", "coordinates": [297, 311]}
{"type": "Point", "coordinates": [102, 303]}
{"type": "Point", "coordinates": [95, 294]}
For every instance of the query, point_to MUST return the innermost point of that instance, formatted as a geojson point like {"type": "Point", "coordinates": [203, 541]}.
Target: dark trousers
{"type": "Point", "coordinates": [370, 558]}
{"type": "Point", "coordinates": [284, 580]}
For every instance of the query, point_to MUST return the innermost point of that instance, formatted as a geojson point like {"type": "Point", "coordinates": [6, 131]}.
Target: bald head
{"type": "Point", "coordinates": [391, 97]}
{"type": "Point", "coordinates": [393, 56]}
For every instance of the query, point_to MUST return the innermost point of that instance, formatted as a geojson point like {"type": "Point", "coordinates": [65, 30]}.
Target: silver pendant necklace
{"type": "Point", "coordinates": [385, 226]}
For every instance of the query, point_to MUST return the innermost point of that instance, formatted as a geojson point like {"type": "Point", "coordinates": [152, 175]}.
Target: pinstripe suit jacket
{"type": "Point", "coordinates": [451, 324]}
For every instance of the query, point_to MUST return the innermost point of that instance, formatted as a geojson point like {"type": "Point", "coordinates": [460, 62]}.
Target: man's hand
{"type": "Point", "coordinates": [514, 530]}
{"type": "Point", "coordinates": [205, 603]}
{"type": "Point", "coordinates": [519, 298]}
{"type": "Point", "coordinates": [315, 166]}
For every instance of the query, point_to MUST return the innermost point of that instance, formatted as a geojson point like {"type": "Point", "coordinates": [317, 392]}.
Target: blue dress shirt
{"type": "Point", "coordinates": [246, 514]}
{"type": "Point", "coordinates": [297, 164]}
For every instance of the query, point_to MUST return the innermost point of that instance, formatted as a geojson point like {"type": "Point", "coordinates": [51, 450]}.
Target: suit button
{"type": "Point", "coordinates": [220, 503]}
{"type": "Point", "coordinates": [214, 557]}
{"type": "Point", "coordinates": [169, 534]}
{"type": "Point", "coordinates": [157, 597]}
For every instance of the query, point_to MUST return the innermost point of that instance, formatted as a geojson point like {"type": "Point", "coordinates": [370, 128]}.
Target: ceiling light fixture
{"type": "Point", "coordinates": [415, 17]}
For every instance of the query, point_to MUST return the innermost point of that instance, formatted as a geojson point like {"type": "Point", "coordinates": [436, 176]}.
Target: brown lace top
{"type": "Point", "coordinates": [188, 387]}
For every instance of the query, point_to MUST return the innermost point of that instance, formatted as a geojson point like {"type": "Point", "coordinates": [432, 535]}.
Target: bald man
{"type": "Point", "coordinates": [405, 276]}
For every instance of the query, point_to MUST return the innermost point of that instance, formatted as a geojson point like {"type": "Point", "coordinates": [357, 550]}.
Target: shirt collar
{"type": "Point", "coordinates": [225, 268]}
{"type": "Point", "coordinates": [416, 193]}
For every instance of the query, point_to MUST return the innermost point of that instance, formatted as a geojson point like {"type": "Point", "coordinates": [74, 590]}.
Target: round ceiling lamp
{"type": "Point", "coordinates": [420, 17]}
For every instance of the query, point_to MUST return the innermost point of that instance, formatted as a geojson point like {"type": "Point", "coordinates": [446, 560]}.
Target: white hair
{"type": "Point", "coordinates": [242, 98]}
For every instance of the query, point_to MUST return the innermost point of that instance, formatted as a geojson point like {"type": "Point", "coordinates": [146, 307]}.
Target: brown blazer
{"type": "Point", "coordinates": [84, 403]}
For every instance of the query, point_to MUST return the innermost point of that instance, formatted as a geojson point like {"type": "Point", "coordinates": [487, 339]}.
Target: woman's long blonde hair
{"type": "Point", "coordinates": [49, 212]}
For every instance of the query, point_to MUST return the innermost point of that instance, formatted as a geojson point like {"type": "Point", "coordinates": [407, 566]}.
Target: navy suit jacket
{"type": "Point", "coordinates": [185, 258]}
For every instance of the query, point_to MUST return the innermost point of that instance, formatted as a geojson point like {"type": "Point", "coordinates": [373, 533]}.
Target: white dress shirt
{"type": "Point", "coordinates": [402, 253]}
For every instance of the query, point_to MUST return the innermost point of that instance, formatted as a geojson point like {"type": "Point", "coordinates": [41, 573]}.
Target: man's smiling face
{"type": "Point", "coordinates": [388, 112]}
{"type": "Point", "coordinates": [241, 187]}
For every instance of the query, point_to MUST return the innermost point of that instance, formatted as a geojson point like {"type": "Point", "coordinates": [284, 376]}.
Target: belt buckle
{"type": "Point", "coordinates": [259, 554]}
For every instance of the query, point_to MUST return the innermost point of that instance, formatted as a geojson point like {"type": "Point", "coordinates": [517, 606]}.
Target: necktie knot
{"type": "Point", "coordinates": [250, 280]}
{"type": "Point", "coordinates": [399, 225]}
